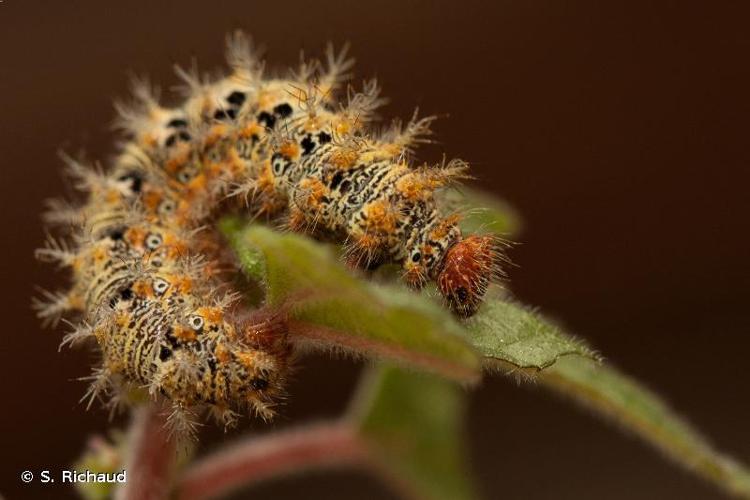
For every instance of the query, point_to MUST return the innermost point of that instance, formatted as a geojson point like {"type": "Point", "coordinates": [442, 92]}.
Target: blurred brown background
{"type": "Point", "coordinates": [618, 130]}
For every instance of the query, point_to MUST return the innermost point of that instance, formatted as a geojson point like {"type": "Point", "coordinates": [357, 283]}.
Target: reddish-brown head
{"type": "Point", "coordinates": [468, 268]}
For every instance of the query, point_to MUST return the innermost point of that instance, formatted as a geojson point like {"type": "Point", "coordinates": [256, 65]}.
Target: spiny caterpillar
{"type": "Point", "coordinates": [146, 274]}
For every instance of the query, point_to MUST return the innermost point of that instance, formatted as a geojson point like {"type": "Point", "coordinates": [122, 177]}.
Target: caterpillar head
{"type": "Point", "coordinates": [467, 270]}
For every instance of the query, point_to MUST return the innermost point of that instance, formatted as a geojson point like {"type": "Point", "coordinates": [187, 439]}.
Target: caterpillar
{"type": "Point", "coordinates": [147, 279]}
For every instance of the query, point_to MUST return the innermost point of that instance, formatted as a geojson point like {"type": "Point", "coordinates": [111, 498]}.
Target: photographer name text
{"type": "Point", "coordinates": [75, 476]}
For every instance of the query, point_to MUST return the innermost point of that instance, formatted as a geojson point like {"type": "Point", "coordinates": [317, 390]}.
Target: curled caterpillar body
{"type": "Point", "coordinates": [145, 281]}
{"type": "Point", "coordinates": [319, 168]}
{"type": "Point", "coordinates": [158, 324]}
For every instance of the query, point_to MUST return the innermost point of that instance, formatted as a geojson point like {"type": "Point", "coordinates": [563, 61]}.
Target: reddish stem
{"type": "Point", "coordinates": [321, 335]}
{"type": "Point", "coordinates": [280, 453]}
{"type": "Point", "coordinates": [151, 457]}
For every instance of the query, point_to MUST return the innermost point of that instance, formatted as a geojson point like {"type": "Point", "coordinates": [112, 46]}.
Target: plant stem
{"type": "Point", "coordinates": [321, 336]}
{"type": "Point", "coordinates": [151, 457]}
{"type": "Point", "coordinates": [259, 458]}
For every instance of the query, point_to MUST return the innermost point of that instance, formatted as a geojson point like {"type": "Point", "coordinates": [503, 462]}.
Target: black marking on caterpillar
{"type": "Point", "coordinates": [286, 149]}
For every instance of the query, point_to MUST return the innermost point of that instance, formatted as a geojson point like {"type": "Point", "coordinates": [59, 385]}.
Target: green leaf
{"type": "Point", "coordinates": [101, 457]}
{"type": "Point", "coordinates": [482, 212]}
{"type": "Point", "coordinates": [326, 305]}
{"type": "Point", "coordinates": [505, 332]}
{"type": "Point", "coordinates": [414, 424]}
{"type": "Point", "coordinates": [510, 334]}
{"type": "Point", "coordinates": [617, 396]}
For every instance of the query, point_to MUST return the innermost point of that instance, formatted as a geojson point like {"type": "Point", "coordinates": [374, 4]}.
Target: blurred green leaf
{"type": "Point", "coordinates": [482, 212]}
{"type": "Point", "coordinates": [327, 305]}
{"type": "Point", "coordinates": [507, 333]}
{"type": "Point", "coordinates": [101, 457]}
{"type": "Point", "coordinates": [414, 424]}
{"type": "Point", "coordinates": [617, 396]}
{"type": "Point", "coordinates": [511, 333]}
